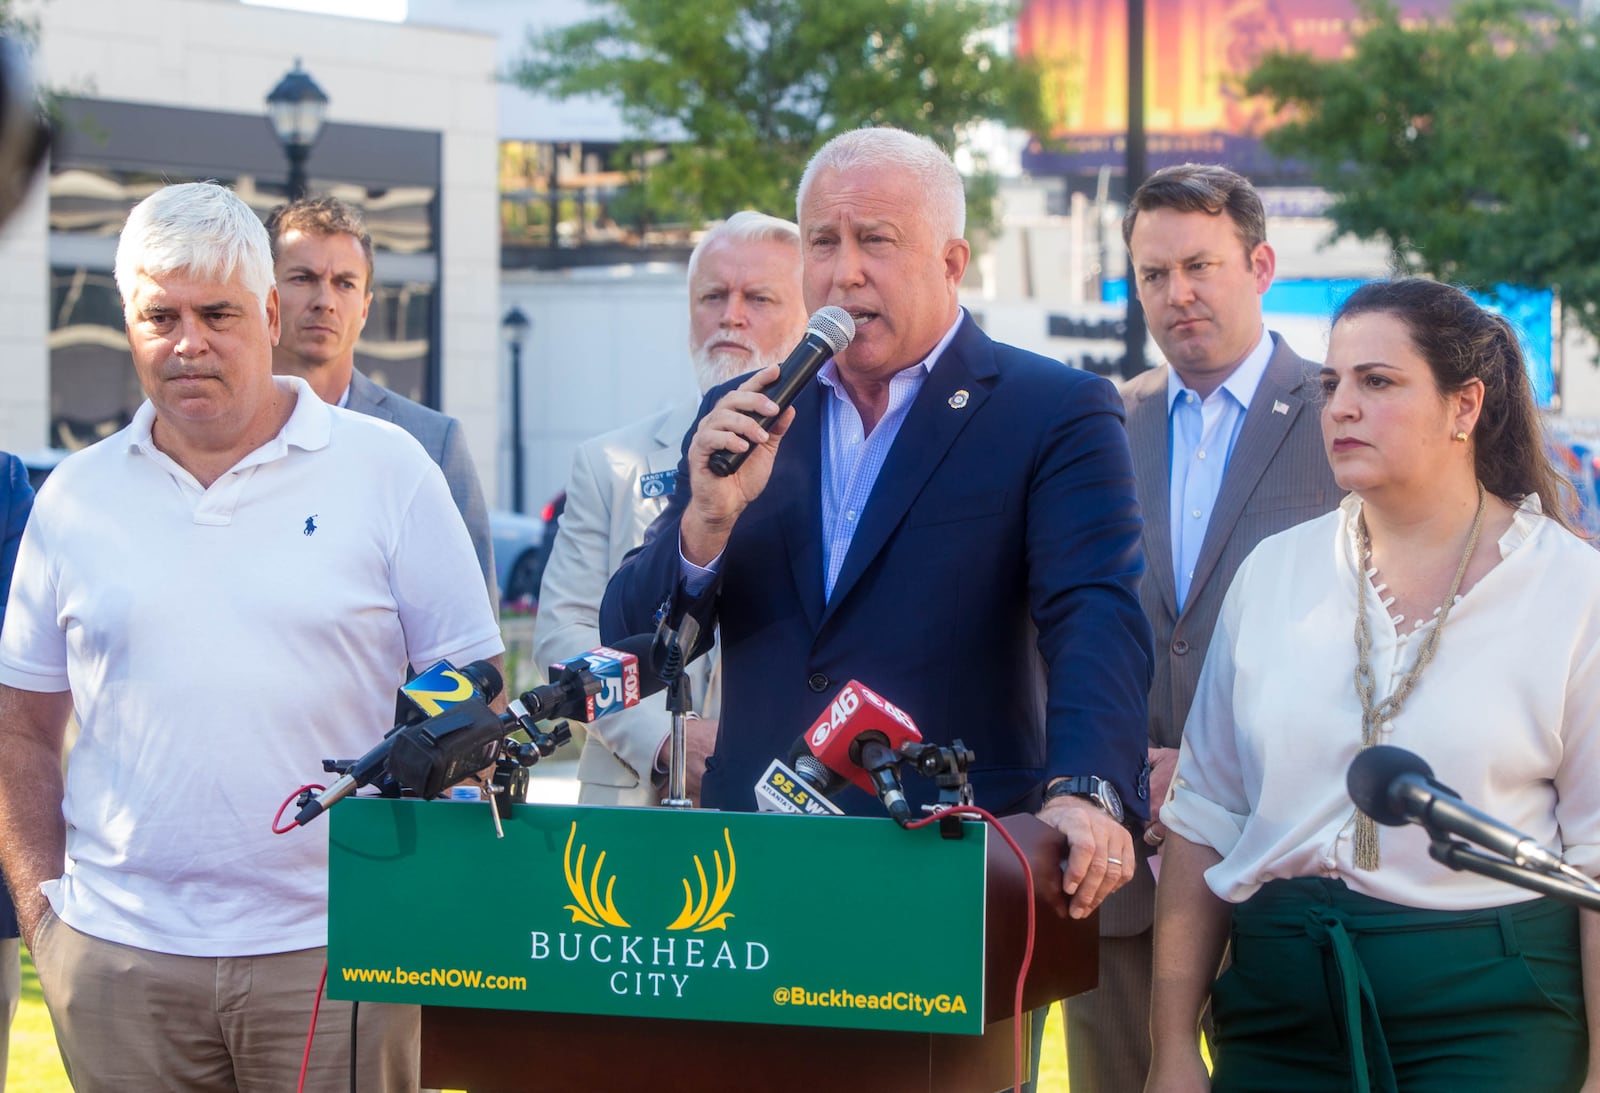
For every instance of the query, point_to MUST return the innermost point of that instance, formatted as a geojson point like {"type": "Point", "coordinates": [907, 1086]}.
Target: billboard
{"type": "Point", "coordinates": [1196, 54]}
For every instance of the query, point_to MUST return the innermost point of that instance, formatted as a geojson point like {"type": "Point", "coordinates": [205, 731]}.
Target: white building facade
{"type": "Point", "coordinates": [168, 90]}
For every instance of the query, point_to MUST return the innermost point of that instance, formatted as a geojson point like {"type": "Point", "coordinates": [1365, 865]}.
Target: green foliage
{"type": "Point", "coordinates": [747, 90]}
{"type": "Point", "coordinates": [1470, 145]}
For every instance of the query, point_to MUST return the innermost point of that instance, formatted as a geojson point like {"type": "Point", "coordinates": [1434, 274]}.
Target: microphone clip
{"type": "Point", "coordinates": [947, 767]}
{"type": "Point", "coordinates": [674, 645]}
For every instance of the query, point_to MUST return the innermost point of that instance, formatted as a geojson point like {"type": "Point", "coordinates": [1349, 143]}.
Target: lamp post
{"type": "Point", "coordinates": [516, 325]}
{"type": "Point", "coordinates": [297, 108]}
{"type": "Point", "coordinates": [1133, 340]}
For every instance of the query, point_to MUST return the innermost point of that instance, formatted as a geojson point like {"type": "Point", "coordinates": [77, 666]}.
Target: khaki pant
{"type": "Point", "coordinates": [130, 1019]}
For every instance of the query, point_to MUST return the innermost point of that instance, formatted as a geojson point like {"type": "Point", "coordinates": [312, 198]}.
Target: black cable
{"type": "Point", "coordinates": [355, 1014]}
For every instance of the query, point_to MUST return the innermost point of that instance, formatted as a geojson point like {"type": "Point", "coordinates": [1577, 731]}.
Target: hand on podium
{"type": "Point", "coordinates": [1099, 852]}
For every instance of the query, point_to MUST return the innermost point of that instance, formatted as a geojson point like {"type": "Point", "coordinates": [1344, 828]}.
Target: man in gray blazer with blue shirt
{"type": "Point", "coordinates": [322, 254]}
{"type": "Point", "coordinates": [1227, 450]}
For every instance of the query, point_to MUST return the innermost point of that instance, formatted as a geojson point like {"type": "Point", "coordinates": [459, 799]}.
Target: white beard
{"type": "Point", "coordinates": [722, 365]}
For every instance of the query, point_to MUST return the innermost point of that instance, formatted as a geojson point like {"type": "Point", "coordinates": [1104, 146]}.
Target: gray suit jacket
{"type": "Point", "coordinates": [440, 436]}
{"type": "Point", "coordinates": [607, 512]}
{"type": "Point", "coordinates": [1277, 477]}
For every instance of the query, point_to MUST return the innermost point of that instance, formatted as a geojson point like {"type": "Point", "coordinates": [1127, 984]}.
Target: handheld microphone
{"type": "Point", "coordinates": [829, 330]}
{"type": "Point", "coordinates": [1396, 787]}
{"type": "Point", "coordinates": [858, 740]}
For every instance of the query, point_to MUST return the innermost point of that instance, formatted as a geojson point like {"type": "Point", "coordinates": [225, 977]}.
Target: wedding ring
{"type": "Point", "coordinates": [1153, 837]}
{"type": "Point", "coordinates": [1113, 861]}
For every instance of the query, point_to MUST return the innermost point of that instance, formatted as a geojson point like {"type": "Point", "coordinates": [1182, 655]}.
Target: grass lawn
{"type": "Point", "coordinates": [36, 1066]}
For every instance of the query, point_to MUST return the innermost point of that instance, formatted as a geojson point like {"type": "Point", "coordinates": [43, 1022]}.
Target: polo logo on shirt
{"type": "Point", "coordinates": [311, 524]}
{"type": "Point", "coordinates": [658, 484]}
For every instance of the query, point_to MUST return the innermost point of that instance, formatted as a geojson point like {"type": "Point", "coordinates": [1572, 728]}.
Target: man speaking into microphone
{"type": "Point", "coordinates": [947, 519]}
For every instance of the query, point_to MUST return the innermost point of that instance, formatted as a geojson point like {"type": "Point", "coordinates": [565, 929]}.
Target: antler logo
{"type": "Point", "coordinates": [589, 909]}
{"type": "Point", "coordinates": [701, 912]}
{"type": "Point", "coordinates": [706, 913]}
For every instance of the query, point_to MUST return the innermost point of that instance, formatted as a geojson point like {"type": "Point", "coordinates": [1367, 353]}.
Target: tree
{"type": "Point", "coordinates": [746, 90]}
{"type": "Point", "coordinates": [1470, 145]}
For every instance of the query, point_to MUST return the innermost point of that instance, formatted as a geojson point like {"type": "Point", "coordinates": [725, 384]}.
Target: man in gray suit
{"type": "Point", "coordinates": [745, 312]}
{"type": "Point", "coordinates": [1227, 450]}
{"type": "Point", "coordinates": [322, 254]}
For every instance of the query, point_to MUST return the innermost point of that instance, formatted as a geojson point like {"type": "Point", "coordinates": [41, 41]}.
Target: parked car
{"type": "Point", "coordinates": [519, 554]}
{"type": "Point", "coordinates": [528, 540]}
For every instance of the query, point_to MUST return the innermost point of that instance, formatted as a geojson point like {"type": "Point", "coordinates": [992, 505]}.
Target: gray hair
{"type": "Point", "coordinates": [201, 228]}
{"type": "Point", "coordinates": [747, 226]}
{"type": "Point", "coordinates": [945, 201]}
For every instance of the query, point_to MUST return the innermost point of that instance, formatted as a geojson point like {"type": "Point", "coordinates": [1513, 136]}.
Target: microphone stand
{"type": "Point", "coordinates": [673, 648]}
{"type": "Point", "coordinates": [1569, 885]}
{"type": "Point", "coordinates": [680, 700]}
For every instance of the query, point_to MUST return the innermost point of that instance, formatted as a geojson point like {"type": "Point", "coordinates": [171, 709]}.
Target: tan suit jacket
{"type": "Point", "coordinates": [606, 516]}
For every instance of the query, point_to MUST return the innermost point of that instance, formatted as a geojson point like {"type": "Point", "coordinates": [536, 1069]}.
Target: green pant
{"type": "Point", "coordinates": [1331, 990]}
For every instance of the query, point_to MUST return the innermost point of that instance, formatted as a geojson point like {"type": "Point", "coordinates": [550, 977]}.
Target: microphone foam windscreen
{"type": "Point", "coordinates": [1373, 773]}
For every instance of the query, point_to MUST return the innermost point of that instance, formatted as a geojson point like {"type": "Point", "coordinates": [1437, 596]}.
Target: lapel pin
{"type": "Point", "coordinates": [1279, 407]}
{"type": "Point", "coordinates": [959, 399]}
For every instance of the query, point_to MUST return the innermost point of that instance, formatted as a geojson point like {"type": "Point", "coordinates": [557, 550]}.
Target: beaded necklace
{"type": "Point", "coordinates": [1375, 714]}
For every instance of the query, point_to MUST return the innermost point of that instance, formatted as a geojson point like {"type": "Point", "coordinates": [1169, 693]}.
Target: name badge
{"type": "Point", "coordinates": [658, 483]}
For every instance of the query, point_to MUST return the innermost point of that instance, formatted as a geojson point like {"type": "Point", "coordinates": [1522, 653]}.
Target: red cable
{"type": "Point", "coordinates": [976, 813]}
{"type": "Point", "coordinates": [286, 828]}
{"type": "Point", "coordinates": [305, 1059]}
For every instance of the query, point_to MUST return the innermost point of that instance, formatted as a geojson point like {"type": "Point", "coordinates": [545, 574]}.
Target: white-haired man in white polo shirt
{"type": "Point", "coordinates": [227, 591]}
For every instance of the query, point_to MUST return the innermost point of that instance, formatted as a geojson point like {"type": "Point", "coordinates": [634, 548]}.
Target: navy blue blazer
{"type": "Point", "coordinates": [1003, 526]}
{"type": "Point", "coordinates": [16, 501]}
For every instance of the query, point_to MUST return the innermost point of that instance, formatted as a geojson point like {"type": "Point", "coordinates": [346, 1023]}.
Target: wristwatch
{"type": "Point", "coordinates": [1097, 791]}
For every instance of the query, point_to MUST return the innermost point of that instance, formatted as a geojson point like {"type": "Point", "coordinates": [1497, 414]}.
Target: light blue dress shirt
{"type": "Point", "coordinates": [851, 460]}
{"type": "Point", "coordinates": [1202, 433]}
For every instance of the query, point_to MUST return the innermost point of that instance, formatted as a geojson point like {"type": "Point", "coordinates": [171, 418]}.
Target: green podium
{"type": "Point", "coordinates": [597, 949]}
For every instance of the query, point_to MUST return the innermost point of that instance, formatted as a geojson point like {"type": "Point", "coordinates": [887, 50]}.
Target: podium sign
{"type": "Point", "coordinates": [694, 915]}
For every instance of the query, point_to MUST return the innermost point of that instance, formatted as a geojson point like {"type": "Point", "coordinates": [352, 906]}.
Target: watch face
{"type": "Point", "coordinates": [1108, 799]}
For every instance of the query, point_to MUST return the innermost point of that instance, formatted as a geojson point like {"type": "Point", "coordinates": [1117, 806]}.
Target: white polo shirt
{"type": "Point", "coordinates": [219, 644]}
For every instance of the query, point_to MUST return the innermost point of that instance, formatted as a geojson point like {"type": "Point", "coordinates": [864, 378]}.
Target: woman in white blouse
{"type": "Point", "coordinates": [1445, 608]}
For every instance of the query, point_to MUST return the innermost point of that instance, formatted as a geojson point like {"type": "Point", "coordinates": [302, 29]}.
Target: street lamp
{"type": "Point", "coordinates": [516, 325]}
{"type": "Point", "coordinates": [296, 108]}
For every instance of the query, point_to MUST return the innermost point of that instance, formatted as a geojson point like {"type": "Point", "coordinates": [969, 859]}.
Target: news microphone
{"type": "Point", "coordinates": [442, 686]}
{"type": "Point", "coordinates": [1396, 787]}
{"type": "Point", "coordinates": [440, 751]}
{"type": "Point", "coordinates": [439, 689]}
{"type": "Point", "coordinates": [828, 331]}
{"type": "Point", "coordinates": [858, 740]}
{"type": "Point", "coordinates": [624, 674]}
{"type": "Point", "coordinates": [784, 789]}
